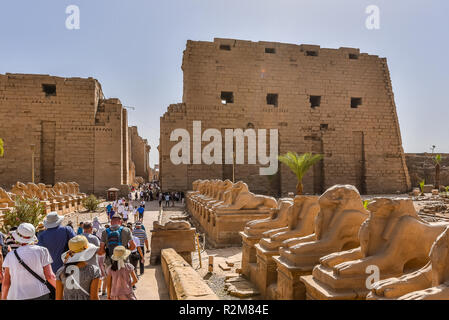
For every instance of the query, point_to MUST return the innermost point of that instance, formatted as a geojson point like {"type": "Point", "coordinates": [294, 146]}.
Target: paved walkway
{"type": "Point", "coordinates": [151, 285]}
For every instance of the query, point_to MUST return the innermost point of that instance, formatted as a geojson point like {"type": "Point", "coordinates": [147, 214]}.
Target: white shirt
{"type": "Point", "coordinates": [137, 242]}
{"type": "Point", "coordinates": [120, 208]}
{"type": "Point", "coordinates": [23, 284]}
{"type": "Point", "coordinates": [125, 214]}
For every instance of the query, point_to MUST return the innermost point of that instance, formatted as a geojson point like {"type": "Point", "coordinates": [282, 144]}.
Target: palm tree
{"type": "Point", "coordinates": [2, 151]}
{"type": "Point", "coordinates": [300, 164]}
{"type": "Point", "coordinates": [437, 161]}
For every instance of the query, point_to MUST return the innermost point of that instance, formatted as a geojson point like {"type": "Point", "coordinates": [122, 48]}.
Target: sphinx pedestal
{"type": "Point", "coordinates": [182, 241]}
{"type": "Point", "coordinates": [248, 253]}
{"type": "Point", "coordinates": [226, 225]}
{"type": "Point", "coordinates": [265, 274]}
{"type": "Point", "coordinates": [289, 285]}
{"type": "Point", "coordinates": [324, 285]}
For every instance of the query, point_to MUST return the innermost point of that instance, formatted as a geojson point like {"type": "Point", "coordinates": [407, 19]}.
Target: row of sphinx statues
{"type": "Point", "coordinates": [62, 196]}
{"type": "Point", "coordinates": [334, 246]}
{"type": "Point", "coordinates": [222, 208]}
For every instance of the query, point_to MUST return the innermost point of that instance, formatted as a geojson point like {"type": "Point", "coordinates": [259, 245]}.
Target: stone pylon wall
{"type": "Point", "coordinates": [361, 146]}
{"type": "Point", "coordinates": [78, 135]}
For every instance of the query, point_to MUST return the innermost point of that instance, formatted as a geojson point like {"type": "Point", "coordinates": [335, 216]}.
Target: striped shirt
{"type": "Point", "coordinates": [141, 234]}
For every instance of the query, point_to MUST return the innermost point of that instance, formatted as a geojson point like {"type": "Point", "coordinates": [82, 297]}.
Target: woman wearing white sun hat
{"type": "Point", "coordinates": [20, 283]}
{"type": "Point", "coordinates": [77, 279]}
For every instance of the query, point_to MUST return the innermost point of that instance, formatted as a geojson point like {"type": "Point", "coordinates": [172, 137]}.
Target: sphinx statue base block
{"type": "Point", "coordinates": [224, 226]}
{"type": "Point", "coordinates": [248, 253]}
{"type": "Point", "coordinates": [182, 241]}
{"type": "Point", "coordinates": [266, 273]}
{"type": "Point", "coordinates": [289, 285]}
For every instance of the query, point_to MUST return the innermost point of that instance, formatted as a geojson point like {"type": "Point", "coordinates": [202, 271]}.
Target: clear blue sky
{"type": "Point", "coordinates": [134, 48]}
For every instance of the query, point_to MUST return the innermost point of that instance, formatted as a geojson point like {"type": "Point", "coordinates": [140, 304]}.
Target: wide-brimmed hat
{"type": "Point", "coordinates": [120, 253]}
{"type": "Point", "coordinates": [40, 226]}
{"type": "Point", "coordinates": [79, 250]}
{"type": "Point", "coordinates": [25, 233]}
{"type": "Point", "coordinates": [52, 220]}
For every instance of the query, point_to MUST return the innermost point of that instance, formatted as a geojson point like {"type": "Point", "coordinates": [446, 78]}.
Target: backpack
{"type": "Point", "coordinates": [114, 239]}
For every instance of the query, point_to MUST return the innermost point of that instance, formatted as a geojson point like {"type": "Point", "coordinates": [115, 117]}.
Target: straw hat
{"type": "Point", "coordinates": [79, 250]}
{"type": "Point", "coordinates": [25, 233]}
{"type": "Point", "coordinates": [120, 253]}
{"type": "Point", "coordinates": [40, 227]}
{"type": "Point", "coordinates": [52, 220]}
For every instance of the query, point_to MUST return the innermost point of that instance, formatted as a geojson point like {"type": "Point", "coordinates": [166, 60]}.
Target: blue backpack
{"type": "Point", "coordinates": [114, 238]}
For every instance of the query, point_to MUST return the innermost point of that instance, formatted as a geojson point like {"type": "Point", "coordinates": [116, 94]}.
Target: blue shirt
{"type": "Point", "coordinates": [141, 210]}
{"type": "Point", "coordinates": [56, 241]}
{"type": "Point", "coordinates": [109, 207]}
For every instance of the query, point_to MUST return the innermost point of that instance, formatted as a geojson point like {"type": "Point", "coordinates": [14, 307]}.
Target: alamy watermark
{"type": "Point", "coordinates": [72, 22]}
{"type": "Point", "coordinates": [374, 276]}
{"type": "Point", "coordinates": [372, 22]}
{"type": "Point", "coordinates": [212, 153]}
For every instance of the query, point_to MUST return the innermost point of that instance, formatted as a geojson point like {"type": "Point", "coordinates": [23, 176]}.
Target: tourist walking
{"type": "Point", "coordinates": [27, 269]}
{"type": "Point", "coordinates": [115, 235]}
{"type": "Point", "coordinates": [3, 253]}
{"type": "Point", "coordinates": [40, 228]}
{"type": "Point", "coordinates": [70, 224]}
{"type": "Point", "coordinates": [96, 223]}
{"type": "Point", "coordinates": [121, 276]}
{"type": "Point", "coordinates": [88, 233]}
{"type": "Point", "coordinates": [160, 199]}
{"type": "Point", "coordinates": [108, 208]}
{"type": "Point", "coordinates": [77, 279]}
{"type": "Point", "coordinates": [126, 213]}
{"type": "Point", "coordinates": [136, 254]}
{"type": "Point", "coordinates": [10, 243]}
{"type": "Point", "coordinates": [141, 234]}
{"type": "Point", "coordinates": [80, 228]}
{"type": "Point", "coordinates": [141, 211]}
{"type": "Point", "coordinates": [167, 200]}
{"type": "Point", "coordinates": [55, 238]}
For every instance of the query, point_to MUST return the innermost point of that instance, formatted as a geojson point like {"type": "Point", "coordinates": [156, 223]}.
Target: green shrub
{"type": "Point", "coordinates": [366, 203]}
{"type": "Point", "coordinates": [25, 210]}
{"type": "Point", "coordinates": [91, 203]}
{"type": "Point", "coordinates": [421, 185]}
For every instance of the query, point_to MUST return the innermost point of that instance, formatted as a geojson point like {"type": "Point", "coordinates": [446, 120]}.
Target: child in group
{"type": "Point", "coordinates": [121, 276]}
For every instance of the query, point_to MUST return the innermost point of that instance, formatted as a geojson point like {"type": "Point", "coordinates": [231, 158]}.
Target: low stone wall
{"type": "Point", "coordinates": [183, 241]}
{"type": "Point", "coordinates": [182, 281]}
{"type": "Point", "coordinates": [421, 167]}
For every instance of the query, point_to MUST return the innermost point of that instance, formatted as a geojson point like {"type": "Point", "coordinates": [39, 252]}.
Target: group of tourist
{"type": "Point", "coordinates": [126, 209]}
{"type": "Point", "coordinates": [55, 262]}
{"type": "Point", "coordinates": [171, 197]}
{"type": "Point", "coordinates": [146, 192]}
